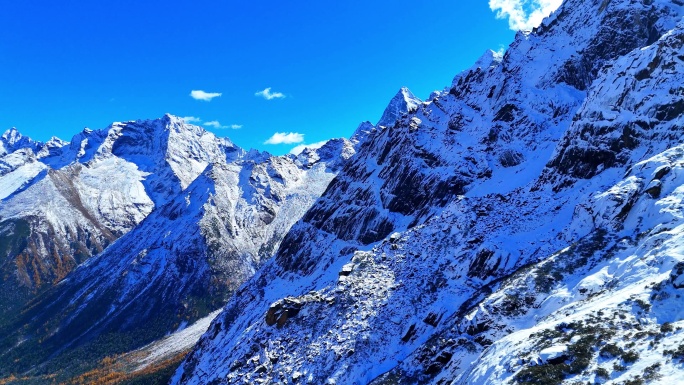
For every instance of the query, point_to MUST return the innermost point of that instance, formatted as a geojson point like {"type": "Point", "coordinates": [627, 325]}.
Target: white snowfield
{"type": "Point", "coordinates": [559, 260]}
{"type": "Point", "coordinates": [172, 345]}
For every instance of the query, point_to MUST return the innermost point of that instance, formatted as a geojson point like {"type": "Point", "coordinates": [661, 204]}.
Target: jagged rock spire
{"type": "Point", "coordinates": [402, 103]}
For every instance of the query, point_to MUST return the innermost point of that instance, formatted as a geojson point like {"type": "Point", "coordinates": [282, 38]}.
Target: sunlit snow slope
{"type": "Point", "coordinates": [523, 226]}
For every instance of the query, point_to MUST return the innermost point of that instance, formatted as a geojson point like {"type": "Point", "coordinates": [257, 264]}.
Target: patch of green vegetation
{"type": "Point", "coordinates": [677, 354]}
{"type": "Point", "coordinates": [602, 373]}
{"type": "Point", "coordinates": [160, 377]}
{"type": "Point", "coordinates": [630, 357]}
{"type": "Point", "coordinates": [580, 355]}
{"type": "Point", "coordinates": [666, 328]}
{"type": "Point", "coordinates": [568, 261]}
{"type": "Point", "coordinates": [545, 277]}
{"type": "Point", "coordinates": [610, 351]}
{"type": "Point", "coordinates": [80, 359]}
{"type": "Point", "coordinates": [12, 296]}
{"type": "Point", "coordinates": [43, 351]}
{"type": "Point", "coordinates": [13, 237]}
{"type": "Point", "coordinates": [634, 381]}
{"type": "Point", "coordinates": [652, 372]}
{"type": "Point", "coordinates": [542, 375]}
{"type": "Point", "coordinates": [645, 306]}
{"type": "Point", "coordinates": [547, 337]}
{"type": "Point", "coordinates": [515, 304]}
{"type": "Point", "coordinates": [595, 332]}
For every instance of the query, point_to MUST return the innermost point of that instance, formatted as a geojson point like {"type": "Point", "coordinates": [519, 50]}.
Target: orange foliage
{"type": "Point", "coordinates": [112, 371]}
{"type": "Point", "coordinates": [14, 379]}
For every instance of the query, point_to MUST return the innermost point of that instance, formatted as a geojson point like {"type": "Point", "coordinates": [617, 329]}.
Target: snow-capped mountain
{"type": "Point", "coordinates": [64, 202]}
{"type": "Point", "coordinates": [189, 217]}
{"type": "Point", "coordinates": [522, 227]}
{"type": "Point", "coordinates": [12, 140]}
{"type": "Point", "coordinates": [403, 102]}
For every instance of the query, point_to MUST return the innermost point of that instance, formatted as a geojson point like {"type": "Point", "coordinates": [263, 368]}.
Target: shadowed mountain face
{"type": "Point", "coordinates": [187, 217]}
{"type": "Point", "coordinates": [520, 227]}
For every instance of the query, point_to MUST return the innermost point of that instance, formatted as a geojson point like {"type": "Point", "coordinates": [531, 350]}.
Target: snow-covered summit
{"type": "Point", "coordinates": [12, 140]}
{"type": "Point", "coordinates": [334, 153]}
{"type": "Point", "coordinates": [362, 132]}
{"type": "Point", "coordinates": [402, 103]}
{"type": "Point", "coordinates": [488, 59]}
{"type": "Point", "coordinates": [11, 135]}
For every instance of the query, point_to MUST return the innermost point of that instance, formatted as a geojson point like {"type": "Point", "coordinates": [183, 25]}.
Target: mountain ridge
{"type": "Point", "coordinates": [471, 284]}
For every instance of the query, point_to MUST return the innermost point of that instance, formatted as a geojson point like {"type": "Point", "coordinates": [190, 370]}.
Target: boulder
{"type": "Point", "coordinates": [282, 310]}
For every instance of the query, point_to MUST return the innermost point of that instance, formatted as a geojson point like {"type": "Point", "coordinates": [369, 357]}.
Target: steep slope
{"type": "Point", "coordinates": [402, 103]}
{"type": "Point", "coordinates": [626, 284]}
{"type": "Point", "coordinates": [179, 264]}
{"type": "Point", "coordinates": [522, 198]}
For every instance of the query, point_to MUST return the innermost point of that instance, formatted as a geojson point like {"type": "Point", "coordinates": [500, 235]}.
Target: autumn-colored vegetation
{"type": "Point", "coordinates": [12, 379]}
{"type": "Point", "coordinates": [113, 370]}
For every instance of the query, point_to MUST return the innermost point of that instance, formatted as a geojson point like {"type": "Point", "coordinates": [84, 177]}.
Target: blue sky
{"type": "Point", "coordinates": [326, 65]}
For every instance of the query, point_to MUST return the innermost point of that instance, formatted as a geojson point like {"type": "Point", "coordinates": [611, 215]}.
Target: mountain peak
{"type": "Point", "coordinates": [362, 132]}
{"type": "Point", "coordinates": [333, 152]}
{"type": "Point", "coordinates": [12, 140]}
{"type": "Point", "coordinates": [170, 118]}
{"type": "Point", "coordinates": [12, 135]}
{"type": "Point", "coordinates": [403, 102]}
{"type": "Point", "coordinates": [488, 59]}
{"type": "Point", "coordinates": [57, 141]}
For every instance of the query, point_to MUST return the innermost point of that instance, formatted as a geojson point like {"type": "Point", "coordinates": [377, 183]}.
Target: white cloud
{"type": "Point", "coordinates": [214, 123]}
{"type": "Point", "coordinates": [523, 14]}
{"type": "Point", "coordinates": [192, 119]}
{"type": "Point", "coordinates": [211, 123]}
{"type": "Point", "coordinates": [285, 138]}
{"type": "Point", "coordinates": [268, 95]}
{"type": "Point", "coordinates": [205, 96]}
{"type": "Point", "coordinates": [298, 149]}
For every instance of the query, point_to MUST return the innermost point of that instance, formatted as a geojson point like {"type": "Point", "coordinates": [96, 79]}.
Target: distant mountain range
{"type": "Point", "coordinates": [523, 226]}
{"type": "Point", "coordinates": [176, 217]}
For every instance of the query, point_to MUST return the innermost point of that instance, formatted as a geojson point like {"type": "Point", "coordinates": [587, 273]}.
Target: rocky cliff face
{"type": "Point", "coordinates": [521, 227]}
{"type": "Point", "coordinates": [187, 218]}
